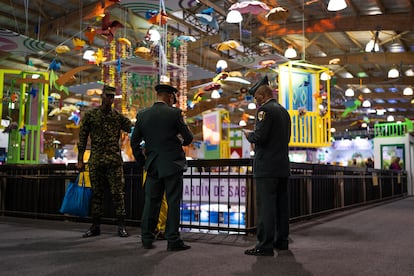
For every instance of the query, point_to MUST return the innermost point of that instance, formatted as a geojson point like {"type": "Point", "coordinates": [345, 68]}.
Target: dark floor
{"type": "Point", "coordinates": [366, 241]}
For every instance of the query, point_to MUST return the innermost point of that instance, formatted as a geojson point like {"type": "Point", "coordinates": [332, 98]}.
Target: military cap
{"type": "Point", "coordinates": [168, 89]}
{"type": "Point", "coordinates": [263, 81]}
{"type": "Point", "coordinates": [109, 90]}
{"type": "Point", "coordinates": [165, 88]}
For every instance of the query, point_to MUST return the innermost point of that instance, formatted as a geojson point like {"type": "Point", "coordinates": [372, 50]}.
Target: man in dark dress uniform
{"type": "Point", "coordinates": [104, 125]}
{"type": "Point", "coordinates": [164, 131]}
{"type": "Point", "coordinates": [271, 169]}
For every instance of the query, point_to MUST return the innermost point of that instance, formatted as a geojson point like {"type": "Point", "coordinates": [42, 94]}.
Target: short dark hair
{"type": "Point", "coordinates": [265, 90]}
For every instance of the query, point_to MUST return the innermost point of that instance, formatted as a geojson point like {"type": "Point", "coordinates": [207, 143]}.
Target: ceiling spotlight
{"type": "Point", "coordinates": [290, 52]}
{"type": "Point", "coordinates": [155, 35]}
{"type": "Point", "coordinates": [336, 5]}
{"type": "Point", "coordinates": [325, 76]}
{"type": "Point", "coordinates": [409, 72]}
{"type": "Point", "coordinates": [381, 112]}
{"type": "Point", "coordinates": [366, 90]}
{"type": "Point", "coordinates": [408, 91]}
{"type": "Point", "coordinates": [390, 118]}
{"type": "Point", "coordinates": [366, 103]}
{"type": "Point", "coordinates": [349, 92]}
{"type": "Point", "coordinates": [393, 73]}
{"type": "Point", "coordinates": [372, 46]}
{"type": "Point", "coordinates": [242, 123]}
{"type": "Point", "coordinates": [221, 64]}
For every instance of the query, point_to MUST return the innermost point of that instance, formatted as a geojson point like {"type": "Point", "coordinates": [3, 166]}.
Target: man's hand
{"type": "Point", "coordinates": [246, 132]}
{"type": "Point", "coordinates": [80, 165]}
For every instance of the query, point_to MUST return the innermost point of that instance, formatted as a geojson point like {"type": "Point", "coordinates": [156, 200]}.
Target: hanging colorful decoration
{"type": "Point", "coordinates": [23, 131]}
{"type": "Point", "coordinates": [277, 14]}
{"type": "Point", "coordinates": [62, 49]}
{"type": "Point", "coordinates": [90, 34]}
{"type": "Point", "coordinates": [75, 117]}
{"type": "Point", "coordinates": [123, 75]}
{"type": "Point", "coordinates": [109, 27]}
{"type": "Point", "coordinates": [112, 56]}
{"type": "Point", "coordinates": [54, 65]}
{"type": "Point", "coordinates": [228, 45]}
{"type": "Point", "coordinates": [186, 38]}
{"type": "Point", "coordinates": [10, 127]}
{"type": "Point", "coordinates": [351, 106]}
{"type": "Point", "coordinates": [176, 43]}
{"type": "Point", "coordinates": [63, 79]}
{"type": "Point", "coordinates": [143, 52]}
{"type": "Point", "coordinates": [99, 57]}
{"type": "Point", "coordinates": [52, 82]}
{"type": "Point", "coordinates": [123, 40]}
{"type": "Point", "coordinates": [78, 44]}
{"type": "Point", "coordinates": [33, 91]}
{"type": "Point", "coordinates": [206, 17]}
{"type": "Point", "coordinates": [251, 7]}
{"type": "Point", "coordinates": [160, 18]}
{"type": "Point", "coordinates": [14, 97]}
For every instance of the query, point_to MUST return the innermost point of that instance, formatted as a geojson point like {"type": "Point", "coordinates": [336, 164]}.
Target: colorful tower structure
{"type": "Point", "coordinates": [307, 99]}
{"type": "Point", "coordinates": [28, 111]}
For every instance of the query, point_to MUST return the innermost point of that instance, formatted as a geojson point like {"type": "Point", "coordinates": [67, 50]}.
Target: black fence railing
{"type": "Point", "coordinates": [218, 195]}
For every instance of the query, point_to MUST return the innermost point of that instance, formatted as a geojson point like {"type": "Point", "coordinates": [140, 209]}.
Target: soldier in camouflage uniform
{"type": "Point", "coordinates": [103, 125]}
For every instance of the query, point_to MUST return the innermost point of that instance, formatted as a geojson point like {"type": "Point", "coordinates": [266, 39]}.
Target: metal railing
{"type": "Point", "coordinates": [218, 195]}
{"type": "Point", "coordinates": [392, 129]}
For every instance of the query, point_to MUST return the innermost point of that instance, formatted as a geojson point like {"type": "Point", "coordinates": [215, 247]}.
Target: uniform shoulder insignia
{"type": "Point", "coordinates": [261, 115]}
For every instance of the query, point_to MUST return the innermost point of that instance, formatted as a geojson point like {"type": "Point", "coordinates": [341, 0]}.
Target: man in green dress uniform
{"type": "Point", "coordinates": [271, 169]}
{"type": "Point", "coordinates": [164, 131]}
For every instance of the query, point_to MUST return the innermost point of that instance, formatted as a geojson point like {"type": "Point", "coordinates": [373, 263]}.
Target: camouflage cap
{"type": "Point", "coordinates": [109, 90]}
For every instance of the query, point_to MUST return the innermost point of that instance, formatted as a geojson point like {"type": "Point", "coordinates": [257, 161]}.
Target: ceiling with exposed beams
{"type": "Point", "coordinates": [336, 40]}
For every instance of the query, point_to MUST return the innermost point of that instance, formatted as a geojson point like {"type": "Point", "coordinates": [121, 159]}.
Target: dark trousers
{"type": "Point", "coordinates": [154, 190]}
{"type": "Point", "coordinates": [272, 201]}
{"type": "Point", "coordinates": [103, 176]}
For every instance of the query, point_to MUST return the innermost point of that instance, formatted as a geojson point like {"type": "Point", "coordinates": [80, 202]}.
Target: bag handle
{"type": "Point", "coordinates": [80, 180]}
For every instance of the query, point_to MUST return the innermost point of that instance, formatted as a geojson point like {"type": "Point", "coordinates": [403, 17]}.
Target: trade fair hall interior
{"type": "Point", "coordinates": [344, 73]}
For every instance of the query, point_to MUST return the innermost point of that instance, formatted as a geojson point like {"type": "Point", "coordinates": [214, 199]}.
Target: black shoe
{"type": "Point", "coordinates": [178, 246]}
{"type": "Point", "coordinates": [282, 245]}
{"type": "Point", "coordinates": [92, 232]}
{"type": "Point", "coordinates": [122, 232]}
{"type": "Point", "coordinates": [259, 252]}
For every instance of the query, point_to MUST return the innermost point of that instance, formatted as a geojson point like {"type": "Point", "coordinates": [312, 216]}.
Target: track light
{"type": "Point", "coordinates": [290, 52]}
{"type": "Point", "coordinates": [366, 103]}
{"type": "Point", "coordinates": [336, 5]}
{"type": "Point", "coordinates": [349, 92]}
{"type": "Point", "coordinates": [393, 73]}
{"type": "Point", "coordinates": [408, 91]}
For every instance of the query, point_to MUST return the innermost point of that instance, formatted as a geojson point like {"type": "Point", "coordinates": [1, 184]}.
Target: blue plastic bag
{"type": "Point", "coordinates": [77, 199]}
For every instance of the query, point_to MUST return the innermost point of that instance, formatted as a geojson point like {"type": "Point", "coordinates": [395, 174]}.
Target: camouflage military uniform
{"type": "Point", "coordinates": [105, 162]}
